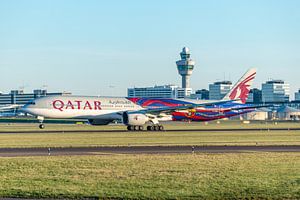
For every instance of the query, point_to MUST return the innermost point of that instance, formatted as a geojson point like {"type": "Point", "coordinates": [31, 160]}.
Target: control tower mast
{"type": "Point", "coordinates": [185, 67]}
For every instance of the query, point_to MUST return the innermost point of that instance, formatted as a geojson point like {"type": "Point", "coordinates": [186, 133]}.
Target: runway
{"type": "Point", "coordinates": [17, 152]}
{"type": "Point", "coordinates": [173, 130]}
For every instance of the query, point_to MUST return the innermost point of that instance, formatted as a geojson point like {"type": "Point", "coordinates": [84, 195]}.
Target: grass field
{"type": "Point", "coordinates": [193, 176]}
{"type": "Point", "coordinates": [165, 176]}
{"type": "Point", "coordinates": [149, 138]}
{"type": "Point", "coordinates": [235, 124]}
{"type": "Point", "coordinates": [154, 139]}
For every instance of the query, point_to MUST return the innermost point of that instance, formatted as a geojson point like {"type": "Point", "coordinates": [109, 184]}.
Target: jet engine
{"type": "Point", "coordinates": [99, 122]}
{"type": "Point", "coordinates": [134, 119]}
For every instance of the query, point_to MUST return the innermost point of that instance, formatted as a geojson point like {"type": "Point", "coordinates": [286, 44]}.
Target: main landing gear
{"type": "Point", "coordinates": [135, 128]}
{"type": "Point", "coordinates": [155, 128]}
{"type": "Point", "coordinates": [149, 128]}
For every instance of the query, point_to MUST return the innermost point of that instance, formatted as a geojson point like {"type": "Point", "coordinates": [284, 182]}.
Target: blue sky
{"type": "Point", "coordinates": [102, 47]}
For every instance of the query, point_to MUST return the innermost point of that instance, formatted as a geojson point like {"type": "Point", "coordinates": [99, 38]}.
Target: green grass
{"type": "Point", "coordinates": [182, 176]}
{"type": "Point", "coordinates": [85, 139]}
{"type": "Point", "coordinates": [188, 176]}
{"type": "Point", "coordinates": [235, 124]}
{"type": "Point", "coordinates": [154, 139]}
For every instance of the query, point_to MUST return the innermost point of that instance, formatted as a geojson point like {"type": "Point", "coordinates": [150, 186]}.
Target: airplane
{"type": "Point", "coordinates": [136, 112]}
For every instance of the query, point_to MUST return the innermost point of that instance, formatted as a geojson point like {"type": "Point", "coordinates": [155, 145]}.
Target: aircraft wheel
{"type": "Point", "coordinates": [150, 128]}
{"type": "Point", "coordinates": [141, 128]}
{"type": "Point", "coordinates": [135, 128]}
{"type": "Point", "coordinates": [129, 128]}
{"type": "Point", "coordinates": [153, 128]}
{"type": "Point", "coordinates": [156, 128]}
{"type": "Point", "coordinates": [161, 128]}
{"type": "Point", "coordinates": [41, 126]}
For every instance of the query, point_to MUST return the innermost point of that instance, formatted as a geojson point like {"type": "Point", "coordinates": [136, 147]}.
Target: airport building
{"type": "Point", "coordinates": [297, 96]}
{"type": "Point", "coordinates": [202, 94]}
{"type": "Point", "coordinates": [255, 96]}
{"type": "Point", "coordinates": [275, 91]}
{"type": "Point", "coordinates": [21, 98]}
{"type": "Point", "coordinates": [259, 114]}
{"type": "Point", "coordinates": [219, 89]}
{"type": "Point", "coordinates": [164, 91]}
{"type": "Point", "coordinates": [287, 113]}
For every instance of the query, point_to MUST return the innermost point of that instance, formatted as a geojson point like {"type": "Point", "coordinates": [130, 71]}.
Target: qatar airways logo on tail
{"type": "Point", "coordinates": [76, 104]}
{"type": "Point", "coordinates": [241, 91]}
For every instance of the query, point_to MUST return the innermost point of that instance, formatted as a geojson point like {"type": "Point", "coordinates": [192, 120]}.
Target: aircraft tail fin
{"type": "Point", "coordinates": [242, 88]}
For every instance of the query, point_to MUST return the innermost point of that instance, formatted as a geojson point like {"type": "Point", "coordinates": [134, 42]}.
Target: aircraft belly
{"type": "Point", "coordinates": [81, 114]}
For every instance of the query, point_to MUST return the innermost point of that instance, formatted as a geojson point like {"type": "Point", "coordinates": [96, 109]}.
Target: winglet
{"type": "Point", "coordinates": [242, 88]}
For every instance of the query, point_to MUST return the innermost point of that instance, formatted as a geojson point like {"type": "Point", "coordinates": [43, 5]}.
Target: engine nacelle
{"type": "Point", "coordinates": [134, 119]}
{"type": "Point", "coordinates": [99, 122]}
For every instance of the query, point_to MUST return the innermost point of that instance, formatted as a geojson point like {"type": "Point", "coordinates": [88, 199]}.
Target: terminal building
{"type": "Point", "coordinates": [275, 91]}
{"type": "Point", "coordinates": [202, 94]}
{"type": "Point", "coordinates": [21, 98]}
{"type": "Point", "coordinates": [164, 91]}
{"type": "Point", "coordinates": [297, 96]}
{"type": "Point", "coordinates": [219, 89]}
{"type": "Point", "coordinates": [255, 96]}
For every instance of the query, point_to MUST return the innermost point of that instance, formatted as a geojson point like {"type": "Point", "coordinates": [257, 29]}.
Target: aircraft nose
{"type": "Point", "coordinates": [27, 108]}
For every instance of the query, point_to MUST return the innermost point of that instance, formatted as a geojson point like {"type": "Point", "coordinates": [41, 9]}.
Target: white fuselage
{"type": "Point", "coordinates": [82, 107]}
{"type": "Point", "coordinates": [79, 107]}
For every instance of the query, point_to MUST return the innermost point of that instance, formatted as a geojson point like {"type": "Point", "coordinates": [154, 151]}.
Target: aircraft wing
{"type": "Point", "coordinates": [10, 107]}
{"type": "Point", "coordinates": [250, 107]}
{"type": "Point", "coordinates": [170, 109]}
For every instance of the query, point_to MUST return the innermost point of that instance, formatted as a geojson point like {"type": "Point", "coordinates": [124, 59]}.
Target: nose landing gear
{"type": "Point", "coordinates": [41, 120]}
{"type": "Point", "coordinates": [42, 126]}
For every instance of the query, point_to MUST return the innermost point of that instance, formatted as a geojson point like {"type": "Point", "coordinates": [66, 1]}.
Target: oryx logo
{"type": "Point", "coordinates": [241, 91]}
{"type": "Point", "coordinates": [190, 113]}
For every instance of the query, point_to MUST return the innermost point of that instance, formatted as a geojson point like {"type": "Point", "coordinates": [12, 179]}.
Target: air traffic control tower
{"type": "Point", "coordinates": [185, 67]}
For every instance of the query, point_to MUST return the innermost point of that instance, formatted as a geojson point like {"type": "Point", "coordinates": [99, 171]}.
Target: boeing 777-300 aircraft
{"type": "Point", "coordinates": [136, 112]}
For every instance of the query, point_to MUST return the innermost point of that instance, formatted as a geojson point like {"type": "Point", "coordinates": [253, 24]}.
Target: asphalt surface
{"type": "Point", "coordinates": [16, 152]}
{"type": "Point", "coordinates": [173, 130]}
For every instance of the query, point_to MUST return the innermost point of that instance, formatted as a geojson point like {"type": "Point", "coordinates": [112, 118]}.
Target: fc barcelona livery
{"type": "Point", "coordinates": [136, 112]}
